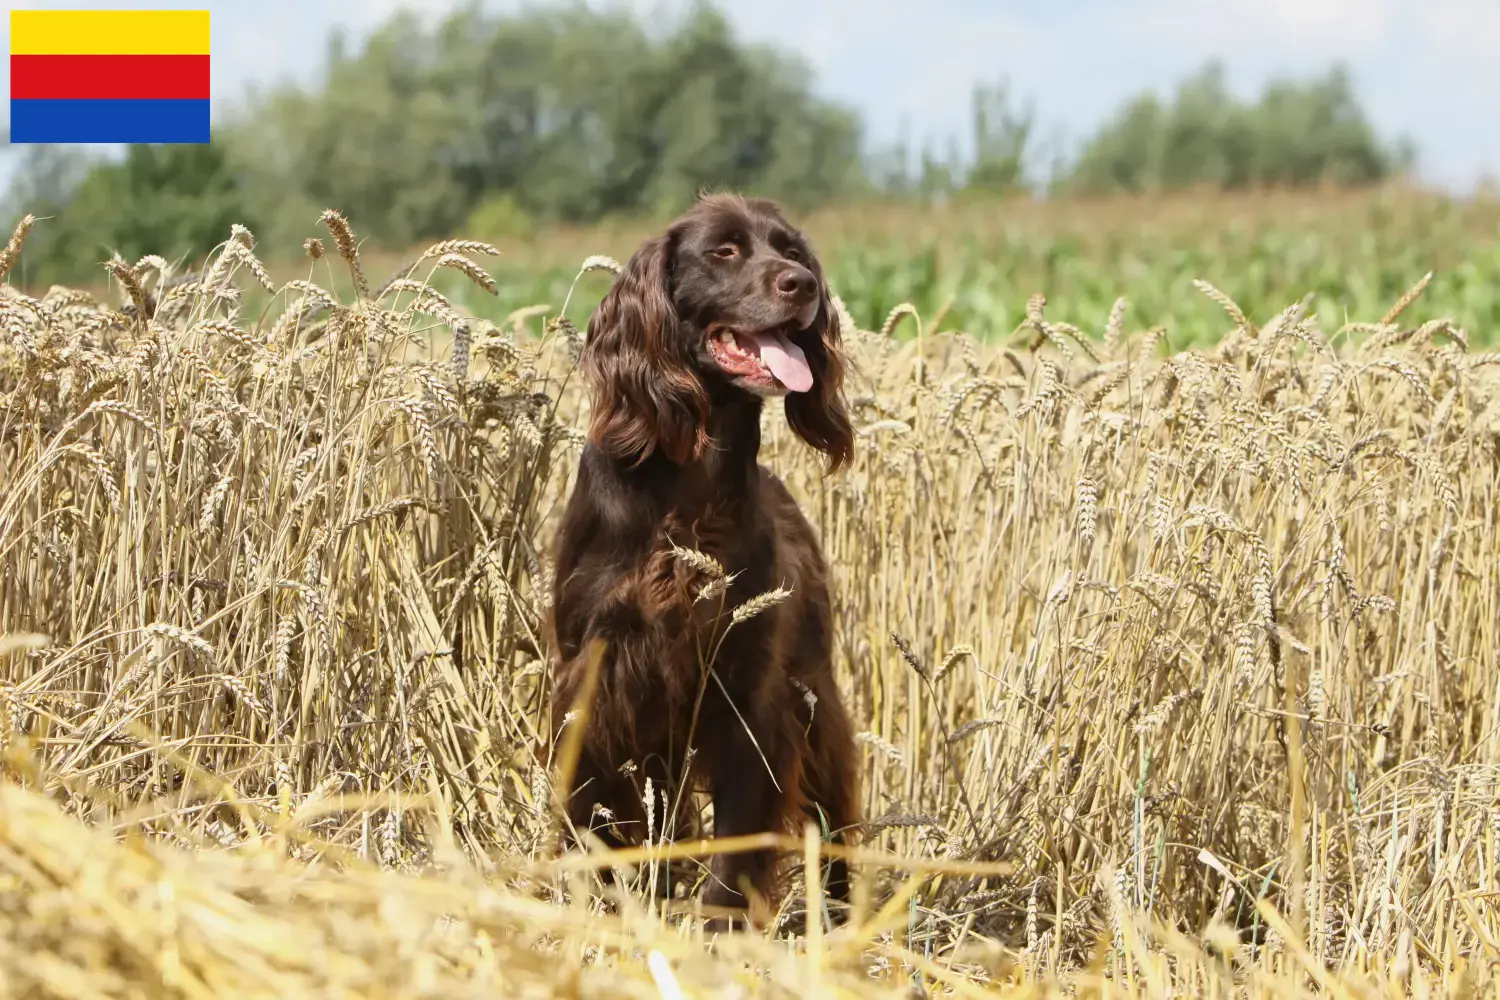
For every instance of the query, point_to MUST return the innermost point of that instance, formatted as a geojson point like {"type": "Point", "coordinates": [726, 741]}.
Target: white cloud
{"type": "Point", "coordinates": [1317, 28]}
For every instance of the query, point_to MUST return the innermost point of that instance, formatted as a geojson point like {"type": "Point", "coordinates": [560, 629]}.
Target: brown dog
{"type": "Point", "coordinates": [724, 309]}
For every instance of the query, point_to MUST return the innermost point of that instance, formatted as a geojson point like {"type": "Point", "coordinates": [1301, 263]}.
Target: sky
{"type": "Point", "coordinates": [1427, 69]}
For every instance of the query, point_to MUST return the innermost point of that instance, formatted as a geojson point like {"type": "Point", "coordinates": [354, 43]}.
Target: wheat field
{"type": "Point", "coordinates": [1174, 675]}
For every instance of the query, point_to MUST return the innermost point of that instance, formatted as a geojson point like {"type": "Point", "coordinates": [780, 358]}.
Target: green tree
{"type": "Point", "coordinates": [174, 200]}
{"type": "Point", "coordinates": [1002, 140]}
{"type": "Point", "coordinates": [575, 114]}
{"type": "Point", "coordinates": [1299, 133]}
{"type": "Point", "coordinates": [1315, 131]}
{"type": "Point", "coordinates": [1002, 146]}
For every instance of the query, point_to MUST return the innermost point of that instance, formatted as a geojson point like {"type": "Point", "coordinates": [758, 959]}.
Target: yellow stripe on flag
{"type": "Point", "coordinates": [109, 33]}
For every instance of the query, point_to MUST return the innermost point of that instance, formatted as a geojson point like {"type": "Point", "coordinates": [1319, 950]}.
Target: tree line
{"type": "Point", "coordinates": [494, 123]}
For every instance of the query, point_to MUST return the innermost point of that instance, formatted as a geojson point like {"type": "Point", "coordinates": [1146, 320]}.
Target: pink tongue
{"type": "Point", "coordinates": [786, 360]}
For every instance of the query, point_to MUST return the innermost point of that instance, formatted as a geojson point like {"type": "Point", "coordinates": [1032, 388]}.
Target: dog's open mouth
{"type": "Point", "coordinates": [763, 356]}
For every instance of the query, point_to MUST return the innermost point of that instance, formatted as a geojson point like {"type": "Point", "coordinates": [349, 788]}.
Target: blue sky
{"type": "Point", "coordinates": [1426, 68]}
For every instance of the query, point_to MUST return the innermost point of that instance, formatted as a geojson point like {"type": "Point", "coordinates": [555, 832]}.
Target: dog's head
{"type": "Point", "coordinates": [729, 300]}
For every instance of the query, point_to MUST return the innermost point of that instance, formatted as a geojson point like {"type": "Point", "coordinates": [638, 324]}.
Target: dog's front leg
{"type": "Point", "coordinates": [752, 777]}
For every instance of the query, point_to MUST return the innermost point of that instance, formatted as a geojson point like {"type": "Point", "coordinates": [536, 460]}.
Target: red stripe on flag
{"type": "Point", "coordinates": [109, 77]}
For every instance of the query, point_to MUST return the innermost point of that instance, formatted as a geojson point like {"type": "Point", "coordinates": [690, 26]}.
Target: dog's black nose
{"type": "Point", "coordinates": [797, 284]}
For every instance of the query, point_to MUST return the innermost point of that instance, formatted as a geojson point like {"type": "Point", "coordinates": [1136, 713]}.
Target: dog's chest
{"type": "Point", "coordinates": [707, 562]}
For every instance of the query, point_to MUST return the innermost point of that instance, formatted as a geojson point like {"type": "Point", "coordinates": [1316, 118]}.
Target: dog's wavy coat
{"type": "Point", "coordinates": [727, 307]}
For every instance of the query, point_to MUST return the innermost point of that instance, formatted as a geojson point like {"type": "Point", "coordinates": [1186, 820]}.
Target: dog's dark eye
{"type": "Point", "coordinates": [726, 251]}
{"type": "Point", "coordinates": [792, 253]}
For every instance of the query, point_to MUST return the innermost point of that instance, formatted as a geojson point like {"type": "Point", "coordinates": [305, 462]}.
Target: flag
{"type": "Point", "coordinates": [109, 76]}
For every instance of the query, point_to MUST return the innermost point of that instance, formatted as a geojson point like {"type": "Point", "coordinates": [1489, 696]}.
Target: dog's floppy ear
{"type": "Point", "coordinates": [643, 392]}
{"type": "Point", "coordinates": [819, 416]}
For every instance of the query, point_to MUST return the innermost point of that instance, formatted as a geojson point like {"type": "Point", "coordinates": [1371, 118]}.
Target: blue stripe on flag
{"type": "Point", "coordinates": [185, 121]}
